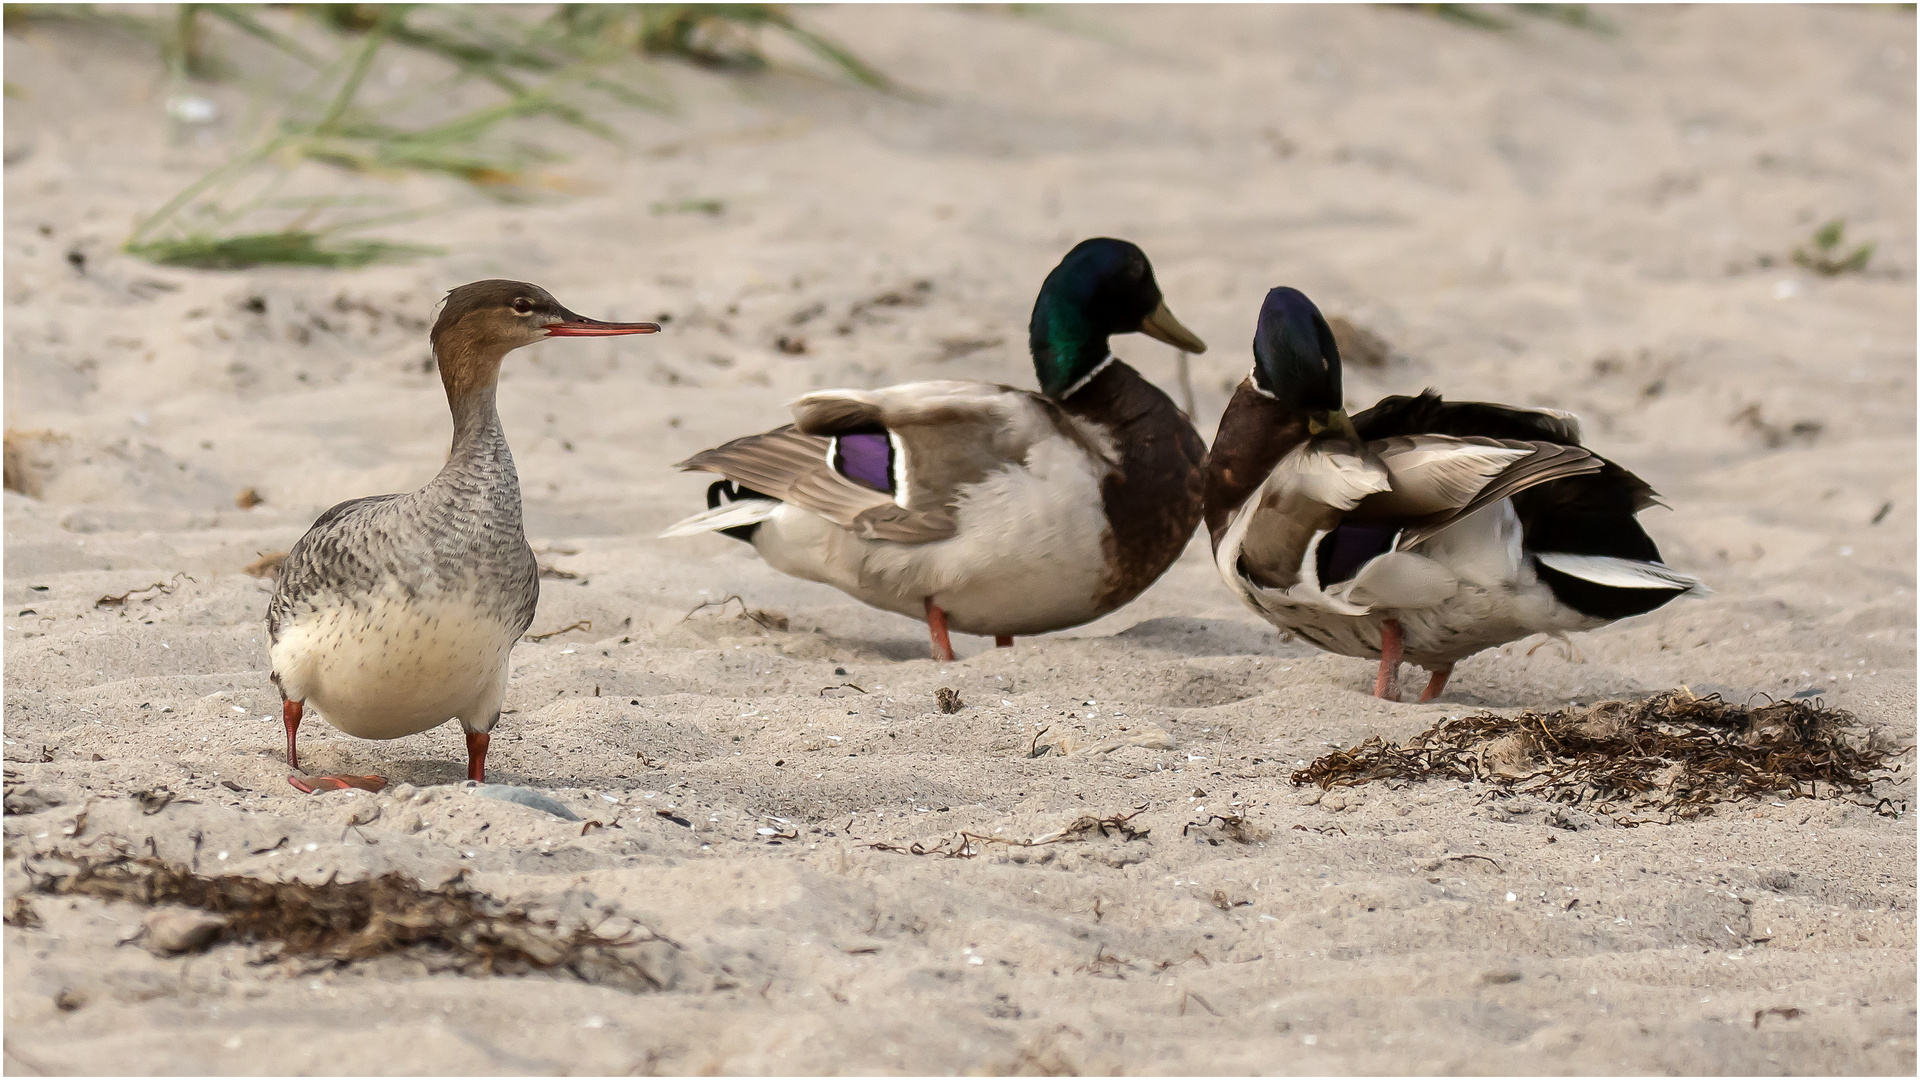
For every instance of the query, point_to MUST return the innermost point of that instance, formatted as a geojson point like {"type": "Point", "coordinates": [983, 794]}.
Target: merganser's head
{"type": "Point", "coordinates": [1295, 360]}
{"type": "Point", "coordinates": [482, 322]}
{"type": "Point", "coordinates": [509, 314]}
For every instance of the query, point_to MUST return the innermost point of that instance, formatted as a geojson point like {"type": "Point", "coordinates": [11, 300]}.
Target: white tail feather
{"type": "Point", "coordinates": [1621, 573]}
{"type": "Point", "coordinates": [744, 512]}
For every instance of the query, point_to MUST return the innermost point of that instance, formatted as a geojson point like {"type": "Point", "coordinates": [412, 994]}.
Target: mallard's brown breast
{"type": "Point", "coordinates": [1152, 497]}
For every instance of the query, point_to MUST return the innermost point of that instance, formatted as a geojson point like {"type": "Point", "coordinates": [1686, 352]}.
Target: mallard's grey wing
{"type": "Point", "coordinates": [1436, 474]}
{"type": "Point", "coordinates": [791, 467]}
{"type": "Point", "coordinates": [887, 464]}
{"type": "Point", "coordinates": [1538, 463]}
{"type": "Point", "coordinates": [1309, 492]}
{"type": "Point", "coordinates": [950, 434]}
{"type": "Point", "coordinates": [1428, 414]}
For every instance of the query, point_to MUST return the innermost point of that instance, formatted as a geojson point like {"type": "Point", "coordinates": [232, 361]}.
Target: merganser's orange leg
{"type": "Point", "coordinates": [1003, 641]}
{"type": "Point", "coordinates": [477, 756]}
{"type": "Point", "coordinates": [1387, 683]}
{"type": "Point", "coordinates": [937, 625]}
{"type": "Point", "coordinates": [1437, 683]}
{"type": "Point", "coordinates": [290, 715]}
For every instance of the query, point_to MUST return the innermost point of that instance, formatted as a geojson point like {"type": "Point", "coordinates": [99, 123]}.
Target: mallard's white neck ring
{"type": "Point", "coordinates": [1253, 380]}
{"type": "Point", "coordinates": [1081, 383]}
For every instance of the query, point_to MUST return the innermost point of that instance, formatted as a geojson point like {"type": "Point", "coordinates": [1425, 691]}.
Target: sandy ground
{"type": "Point", "coordinates": [1552, 216]}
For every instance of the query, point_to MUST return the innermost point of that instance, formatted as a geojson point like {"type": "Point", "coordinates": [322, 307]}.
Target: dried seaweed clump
{"type": "Point", "coordinates": [1675, 753]}
{"type": "Point", "coordinates": [452, 927]}
{"type": "Point", "coordinates": [966, 845]}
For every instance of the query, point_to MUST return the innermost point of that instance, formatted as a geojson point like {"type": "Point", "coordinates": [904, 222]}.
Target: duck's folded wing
{"type": "Point", "coordinates": [1439, 480]}
{"type": "Point", "coordinates": [797, 468]}
{"type": "Point", "coordinates": [1428, 414]}
{"type": "Point", "coordinates": [1268, 539]}
{"type": "Point", "coordinates": [1550, 461]}
{"type": "Point", "coordinates": [948, 435]}
{"type": "Point", "coordinates": [1437, 474]}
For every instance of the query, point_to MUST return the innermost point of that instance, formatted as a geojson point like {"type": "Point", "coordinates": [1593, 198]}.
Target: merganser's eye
{"type": "Point", "coordinates": [523, 306]}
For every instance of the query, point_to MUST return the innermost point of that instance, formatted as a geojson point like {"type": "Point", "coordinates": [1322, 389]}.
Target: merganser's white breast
{"type": "Point", "coordinates": [385, 665]}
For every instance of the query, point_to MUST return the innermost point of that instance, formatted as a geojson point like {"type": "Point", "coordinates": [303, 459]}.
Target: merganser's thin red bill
{"type": "Point", "coordinates": [594, 328]}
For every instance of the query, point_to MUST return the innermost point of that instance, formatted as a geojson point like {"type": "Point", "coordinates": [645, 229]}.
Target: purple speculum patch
{"type": "Point", "coordinates": [865, 458]}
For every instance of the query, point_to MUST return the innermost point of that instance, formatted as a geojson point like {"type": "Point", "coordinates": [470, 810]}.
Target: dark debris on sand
{"type": "Point", "coordinates": [1674, 753]}
{"type": "Point", "coordinates": [451, 928]}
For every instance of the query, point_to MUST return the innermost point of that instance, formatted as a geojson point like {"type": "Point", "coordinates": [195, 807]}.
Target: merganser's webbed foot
{"type": "Point", "coordinates": [1437, 683]}
{"type": "Point", "coordinates": [1003, 641]}
{"type": "Point", "coordinates": [1392, 641]}
{"type": "Point", "coordinates": [937, 626]}
{"type": "Point", "coordinates": [309, 785]}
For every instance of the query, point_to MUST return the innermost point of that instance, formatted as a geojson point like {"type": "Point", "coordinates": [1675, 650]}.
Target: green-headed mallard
{"type": "Point", "coordinates": [985, 508]}
{"type": "Point", "coordinates": [1420, 528]}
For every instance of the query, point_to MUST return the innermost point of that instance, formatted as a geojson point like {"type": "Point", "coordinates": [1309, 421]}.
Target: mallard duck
{"type": "Point", "coordinates": [1419, 529]}
{"type": "Point", "coordinates": [395, 613]}
{"type": "Point", "coordinates": [983, 508]}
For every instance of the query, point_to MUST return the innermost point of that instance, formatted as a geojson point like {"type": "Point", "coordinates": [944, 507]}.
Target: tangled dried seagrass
{"type": "Point", "coordinates": [451, 927]}
{"type": "Point", "coordinates": [1676, 753]}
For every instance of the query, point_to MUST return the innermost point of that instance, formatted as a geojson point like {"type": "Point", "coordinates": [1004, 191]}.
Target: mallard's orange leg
{"type": "Point", "coordinates": [1387, 683]}
{"type": "Point", "coordinates": [477, 756]}
{"type": "Point", "coordinates": [1003, 641]}
{"type": "Point", "coordinates": [1437, 683]}
{"type": "Point", "coordinates": [937, 625]}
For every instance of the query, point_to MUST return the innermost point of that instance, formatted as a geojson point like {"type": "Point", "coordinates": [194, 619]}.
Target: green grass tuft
{"type": "Point", "coordinates": [725, 36]}
{"type": "Point", "coordinates": [1580, 16]}
{"type": "Point", "coordinates": [290, 248]}
{"type": "Point", "coordinates": [1825, 258]}
{"type": "Point", "coordinates": [710, 207]}
{"type": "Point", "coordinates": [556, 66]}
{"type": "Point", "coordinates": [1465, 15]}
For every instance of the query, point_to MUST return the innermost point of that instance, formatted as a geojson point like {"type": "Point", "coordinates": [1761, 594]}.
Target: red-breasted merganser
{"type": "Point", "coordinates": [396, 613]}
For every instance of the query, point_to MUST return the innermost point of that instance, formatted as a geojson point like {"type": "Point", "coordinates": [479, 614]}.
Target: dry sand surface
{"type": "Point", "coordinates": [1549, 216]}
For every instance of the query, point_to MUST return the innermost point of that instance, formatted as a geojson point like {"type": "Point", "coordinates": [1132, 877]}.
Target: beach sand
{"type": "Point", "coordinates": [1550, 215]}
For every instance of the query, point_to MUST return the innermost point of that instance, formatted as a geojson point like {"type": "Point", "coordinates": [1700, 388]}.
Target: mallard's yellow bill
{"type": "Point", "coordinates": [1162, 326]}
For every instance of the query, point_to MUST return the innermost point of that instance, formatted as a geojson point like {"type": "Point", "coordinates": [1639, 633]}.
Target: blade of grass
{"type": "Point", "coordinates": [230, 169]}
{"type": "Point", "coordinates": [286, 248]}
{"type": "Point", "coordinates": [389, 16]}
{"type": "Point", "coordinates": [1579, 16]}
{"type": "Point", "coordinates": [834, 53]}
{"type": "Point", "coordinates": [239, 18]}
{"type": "Point", "coordinates": [1465, 15]}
